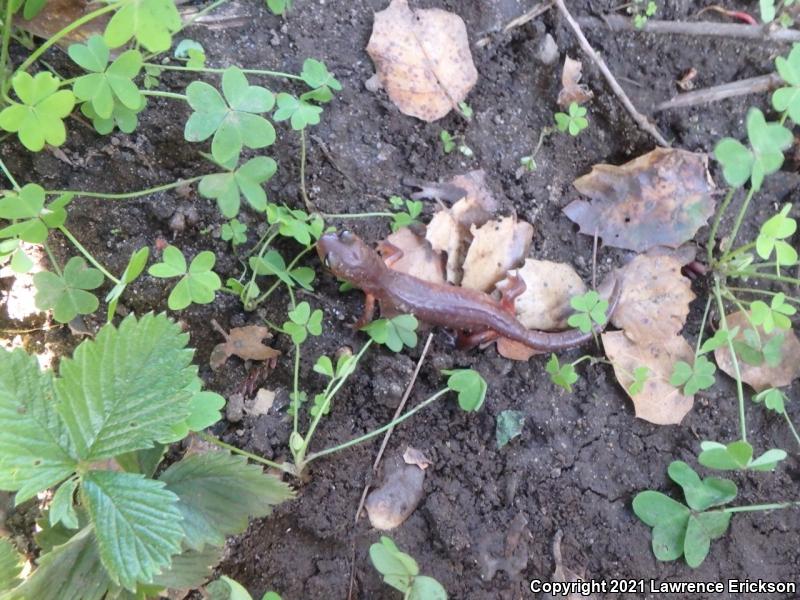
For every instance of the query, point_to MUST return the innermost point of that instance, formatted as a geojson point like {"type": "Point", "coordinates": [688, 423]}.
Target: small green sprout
{"type": "Point", "coordinates": [640, 377]}
{"type": "Point", "coordinates": [295, 223]}
{"type": "Point", "coordinates": [787, 99]}
{"type": "Point", "coordinates": [297, 111]}
{"type": "Point", "coordinates": [469, 385]}
{"type": "Point", "coordinates": [151, 77]}
{"type": "Point", "coordinates": [561, 375]}
{"type": "Point", "coordinates": [738, 456]}
{"type": "Point", "coordinates": [401, 572]}
{"type": "Point", "coordinates": [150, 22]}
{"type": "Point", "coordinates": [772, 236]}
{"type": "Point", "coordinates": [528, 163]}
{"type": "Point", "coordinates": [590, 310]}
{"type": "Point", "coordinates": [192, 52]}
{"type": "Point", "coordinates": [404, 218]}
{"type": "Point", "coordinates": [33, 218]}
{"type": "Point", "coordinates": [719, 339]}
{"type": "Point", "coordinates": [448, 141]}
{"type": "Point", "coordinates": [68, 293]}
{"type": "Point", "coordinates": [574, 121]}
{"type": "Point", "coordinates": [234, 232]}
{"type": "Point", "coordinates": [302, 321]}
{"type": "Point", "coordinates": [776, 314]}
{"type": "Point", "coordinates": [773, 399]}
{"type": "Point", "coordinates": [40, 116]}
{"type": "Point", "coordinates": [466, 110]}
{"type": "Point", "coordinates": [198, 283]}
{"type": "Point", "coordinates": [509, 426]}
{"type": "Point", "coordinates": [693, 378]}
{"type": "Point", "coordinates": [280, 7]}
{"type": "Point", "coordinates": [680, 530]}
{"type": "Point", "coordinates": [134, 268]}
{"type": "Point", "coordinates": [272, 263]}
{"type": "Point", "coordinates": [316, 76]}
{"type": "Point", "coordinates": [394, 333]}
{"type": "Point", "coordinates": [642, 14]}
{"type": "Point", "coordinates": [246, 180]}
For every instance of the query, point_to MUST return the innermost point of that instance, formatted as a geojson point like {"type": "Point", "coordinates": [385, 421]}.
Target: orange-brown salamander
{"type": "Point", "coordinates": [461, 309]}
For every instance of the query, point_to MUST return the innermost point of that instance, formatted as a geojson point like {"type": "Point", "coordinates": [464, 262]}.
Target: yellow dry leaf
{"type": "Point", "coordinates": [497, 247]}
{"type": "Point", "coordinates": [571, 89]}
{"type": "Point", "coordinates": [419, 259]}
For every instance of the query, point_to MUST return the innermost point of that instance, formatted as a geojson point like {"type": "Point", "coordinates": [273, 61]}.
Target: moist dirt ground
{"type": "Point", "coordinates": [581, 457]}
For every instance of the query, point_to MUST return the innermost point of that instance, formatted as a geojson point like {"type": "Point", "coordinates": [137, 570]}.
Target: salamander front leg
{"type": "Point", "coordinates": [389, 253]}
{"type": "Point", "coordinates": [469, 341]}
{"type": "Point", "coordinates": [369, 312]}
{"type": "Point", "coordinates": [512, 288]}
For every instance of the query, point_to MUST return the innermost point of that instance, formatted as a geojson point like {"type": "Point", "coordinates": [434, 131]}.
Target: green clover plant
{"type": "Point", "coordinates": [400, 571]}
{"type": "Point", "coordinates": [68, 293]}
{"type": "Point", "coordinates": [198, 284]}
{"type": "Point", "coordinates": [574, 121]}
{"type": "Point", "coordinates": [590, 310]}
{"type": "Point", "coordinates": [246, 180]}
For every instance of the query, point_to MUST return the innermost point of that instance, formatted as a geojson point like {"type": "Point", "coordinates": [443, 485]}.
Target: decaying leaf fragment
{"type": "Point", "coordinates": [571, 89]}
{"type": "Point", "coordinates": [422, 59]}
{"type": "Point", "coordinates": [658, 402]}
{"type": "Point", "coordinates": [655, 299]}
{"type": "Point", "coordinates": [418, 257]}
{"type": "Point", "coordinates": [497, 246]}
{"type": "Point", "coordinates": [762, 376]}
{"type": "Point", "coordinates": [57, 14]}
{"type": "Point", "coordinates": [244, 342]}
{"type": "Point", "coordinates": [661, 198]}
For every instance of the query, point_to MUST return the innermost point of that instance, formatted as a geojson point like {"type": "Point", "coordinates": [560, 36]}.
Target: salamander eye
{"type": "Point", "coordinates": [347, 237]}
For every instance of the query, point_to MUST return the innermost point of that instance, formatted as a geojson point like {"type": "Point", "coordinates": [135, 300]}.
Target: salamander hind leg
{"type": "Point", "coordinates": [369, 312]}
{"type": "Point", "coordinates": [511, 289]}
{"type": "Point", "coordinates": [471, 340]}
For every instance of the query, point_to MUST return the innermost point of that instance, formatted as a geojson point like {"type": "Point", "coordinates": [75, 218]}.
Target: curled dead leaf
{"type": "Point", "coordinates": [57, 14]}
{"type": "Point", "coordinates": [412, 456]}
{"type": "Point", "coordinates": [763, 376]}
{"type": "Point", "coordinates": [244, 342]}
{"type": "Point", "coordinates": [497, 246]}
{"type": "Point", "coordinates": [660, 198]}
{"type": "Point", "coordinates": [418, 257]}
{"type": "Point", "coordinates": [479, 204]}
{"type": "Point", "coordinates": [655, 299]}
{"type": "Point", "coordinates": [548, 288]}
{"type": "Point", "coordinates": [658, 402]}
{"type": "Point", "coordinates": [422, 58]}
{"type": "Point", "coordinates": [571, 89]}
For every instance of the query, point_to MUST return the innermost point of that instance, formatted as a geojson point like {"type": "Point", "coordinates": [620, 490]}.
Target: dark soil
{"type": "Point", "coordinates": [581, 457]}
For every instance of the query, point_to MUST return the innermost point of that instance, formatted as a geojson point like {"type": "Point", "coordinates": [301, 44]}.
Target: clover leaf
{"type": "Point", "coordinates": [197, 285]}
{"type": "Point", "coordinates": [562, 375]}
{"type": "Point", "coordinates": [719, 339]}
{"type": "Point", "coordinates": [20, 262]}
{"type": "Point", "coordinates": [303, 321]}
{"type": "Point", "coordinates": [394, 333]}
{"type": "Point", "coordinates": [193, 52]}
{"type": "Point", "coordinates": [640, 377]}
{"type": "Point", "coordinates": [413, 209]}
{"type": "Point", "coordinates": [105, 85]}
{"type": "Point", "coordinates": [26, 206]}
{"type": "Point", "coordinates": [469, 385]}
{"type": "Point", "coordinates": [151, 22]}
{"type": "Point", "coordinates": [693, 378]}
{"type": "Point", "coordinates": [590, 309]}
{"type": "Point", "coordinates": [573, 122]}
{"type": "Point", "coordinates": [738, 455]}
{"type": "Point", "coordinates": [234, 120]}
{"type": "Point", "coordinates": [39, 117]}
{"type": "Point", "coordinates": [772, 236]}
{"type": "Point", "coordinates": [788, 98]}
{"type": "Point", "coordinates": [317, 77]}
{"type": "Point", "coordinates": [679, 530]}
{"type": "Point", "coordinates": [227, 188]}
{"type": "Point", "coordinates": [122, 117]}
{"type": "Point", "coordinates": [272, 263]}
{"type": "Point", "coordinates": [299, 112]}
{"type": "Point", "coordinates": [295, 223]}
{"type": "Point", "coordinates": [773, 399]}
{"type": "Point", "coordinates": [234, 232]}
{"type": "Point", "coordinates": [279, 7]}
{"type": "Point", "coordinates": [67, 294]}
{"type": "Point", "coordinates": [765, 155]}
{"type": "Point", "coordinates": [776, 314]}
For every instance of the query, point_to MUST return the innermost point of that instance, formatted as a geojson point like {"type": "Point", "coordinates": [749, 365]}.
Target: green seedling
{"type": "Point", "coordinates": [528, 163]}
{"type": "Point", "coordinates": [640, 377]}
{"type": "Point", "coordinates": [151, 77]}
{"type": "Point", "coordinates": [574, 121]}
{"type": "Point", "coordinates": [681, 530]}
{"type": "Point", "coordinates": [394, 333]}
{"type": "Point", "coordinates": [509, 426]}
{"type": "Point", "coordinates": [133, 269]}
{"type": "Point", "coordinates": [192, 52]}
{"type": "Point", "coordinates": [32, 219]}
{"type": "Point", "coordinates": [295, 223]}
{"type": "Point", "coordinates": [590, 310]}
{"type": "Point", "coordinates": [401, 571]}
{"type": "Point", "coordinates": [738, 456]}
{"type": "Point", "coordinates": [775, 400]}
{"type": "Point", "coordinates": [321, 81]}
{"type": "Point", "coordinates": [297, 111]}
{"type": "Point", "coordinates": [448, 142]}
{"type": "Point", "coordinates": [198, 283]}
{"type": "Point", "coordinates": [762, 158]}
{"type": "Point", "coordinates": [787, 99]}
{"type": "Point", "coordinates": [720, 338]}
{"type": "Point", "coordinates": [234, 121]}
{"type": "Point", "coordinates": [280, 7]}
{"type": "Point", "coordinates": [772, 238]}
{"type": "Point", "coordinates": [39, 116]}
{"type": "Point", "coordinates": [470, 386]}
{"type": "Point", "coordinates": [752, 349]}
{"type": "Point", "coordinates": [119, 399]}
{"type": "Point", "coordinates": [67, 293]}
{"type": "Point", "coordinates": [642, 11]}
{"type": "Point", "coordinates": [303, 321]}
{"type": "Point", "coordinates": [226, 588]}
{"type": "Point", "coordinates": [561, 375]}
{"type": "Point", "coordinates": [246, 180]}
{"type": "Point", "coordinates": [466, 110]}
{"type": "Point", "coordinates": [234, 232]}
{"type": "Point", "coordinates": [272, 263]}
{"type": "Point", "coordinates": [693, 378]}
{"type": "Point", "coordinates": [772, 315]}
{"type": "Point", "coordinates": [150, 22]}
{"type": "Point", "coordinates": [408, 211]}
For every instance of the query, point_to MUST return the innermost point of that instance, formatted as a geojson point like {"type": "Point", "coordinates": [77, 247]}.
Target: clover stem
{"type": "Point", "coordinates": [286, 468]}
{"type": "Point", "coordinates": [734, 360]}
{"type": "Point", "coordinates": [702, 328]}
{"type": "Point", "coordinates": [378, 431]}
{"type": "Point", "coordinates": [275, 285]}
{"type": "Point", "coordinates": [309, 206]}
{"type": "Point", "coordinates": [86, 253]}
{"type": "Point", "coordinates": [768, 276]}
{"type": "Point", "coordinates": [296, 395]}
{"type": "Point", "coordinates": [763, 292]}
{"type": "Point", "coordinates": [161, 94]}
{"type": "Point", "coordinates": [209, 70]}
{"type": "Point", "coordinates": [128, 195]}
{"type": "Point", "coordinates": [728, 256]}
{"type": "Point", "coordinates": [5, 43]}
{"type": "Point", "coordinates": [7, 173]}
{"type": "Point", "coordinates": [366, 215]}
{"type": "Point", "coordinates": [740, 217]}
{"type": "Point", "coordinates": [52, 258]}
{"type": "Point", "coordinates": [791, 426]}
{"type": "Point", "coordinates": [717, 218]}
{"type": "Point", "coordinates": [199, 14]}
{"type": "Point", "coordinates": [64, 32]}
{"type": "Point", "coordinates": [759, 507]}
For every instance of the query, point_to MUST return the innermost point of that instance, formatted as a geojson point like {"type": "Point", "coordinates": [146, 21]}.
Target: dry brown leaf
{"type": "Point", "coordinates": [496, 247]}
{"type": "Point", "coordinates": [660, 198]}
{"type": "Point", "coordinates": [515, 350]}
{"type": "Point", "coordinates": [422, 59]}
{"type": "Point", "coordinates": [479, 205]}
{"type": "Point", "coordinates": [658, 402]}
{"type": "Point", "coordinates": [412, 456]}
{"type": "Point", "coordinates": [763, 376]}
{"type": "Point", "coordinates": [571, 90]}
{"type": "Point", "coordinates": [244, 342]}
{"type": "Point", "coordinates": [655, 299]}
{"type": "Point", "coordinates": [419, 259]}
{"type": "Point", "coordinates": [57, 14]}
{"type": "Point", "coordinates": [548, 288]}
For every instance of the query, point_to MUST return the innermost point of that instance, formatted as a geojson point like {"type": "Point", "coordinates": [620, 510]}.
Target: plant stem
{"type": "Point", "coordinates": [286, 468]}
{"type": "Point", "coordinates": [357, 215]}
{"type": "Point", "coordinates": [376, 432]}
{"type": "Point", "coordinates": [715, 226]}
{"type": "Point", "coordinates": [64, 32]}
{"type": "Point", "coordinates": [210, 70]}
{"type": "Point", "coordinates": [702, 328]}
{"type": "Point", "coordinates": [758, 291]}
{"type": "Point", "coordinates": [52, 258]}
{"type": "Point", "coordinates": [86, 253]}
{"type": "Point", "coordinates": [275, 285]}
{"type": "Point", "coordinates": [758, 507]}
{"type": "Point", "coordinates": [728, 256]}
{"type": "Point", "coordinates": [7, 173]}
{"type": "Point", "coordinates": [309, 206]}
{"type": "Point", "coordinates": [161, 94]}
{"type": "Point", "coordinates": [128, 195]}
{"type": "Point", "coordinates": [734, 360]}
{"type": "Point", "coordinates": [740, 218]}
{"type": "Point", "coordinates": [791, 426]}
{"type": "Point", "coordinates": [6, 81]}
{"type": "Point", "coordinates": [768, 276]}
{"type": "Point", "coordinates": [296, 397]}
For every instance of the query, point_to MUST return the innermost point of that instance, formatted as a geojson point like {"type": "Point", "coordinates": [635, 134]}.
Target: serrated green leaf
{"type": "Point", "coordinates": [10, 565]}
{"type": "Point", "coordinates": [126, 388]}
{"type": "Point", "coordinates": [218, 493]}
{"type": "Point", "coordinates": [62, 509]}
{"type": "Point", "coordinates": [190, 569]}
{"type": "Point", "coordinates": [137, 524]}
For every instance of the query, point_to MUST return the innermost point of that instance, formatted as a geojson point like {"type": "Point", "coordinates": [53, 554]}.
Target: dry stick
{"type": "Point", "coordinates": [753, 85]}
{"type": "Point", "coordinates": [397, 413]}
{"type": "Point", "coordinates": [536, 11]}
{"type": "Point", "coordinates": [710, 28]}
{"type": "Point", "coordinates": [640, 119]}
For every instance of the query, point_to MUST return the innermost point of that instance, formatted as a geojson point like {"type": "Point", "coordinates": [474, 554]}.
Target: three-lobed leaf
{"type": "Point", "coordinates": [68, 293]}
{"type": "Point", "coordinates": [198, 283]}
{"type": "Point", "coordinates": [227, 188]}
{"type": "Point", "coordinates": [470, 387]}
{"type": "Point", "coordinates": [150, 22]}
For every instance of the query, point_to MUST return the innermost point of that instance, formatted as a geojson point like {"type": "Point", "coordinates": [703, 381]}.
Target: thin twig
{"type": "Point", "coordinates": [536, 11]}
{"type": "Point", "coordinates": [752, 85]}
{"type": "Point", "coordinates": [594, 258]}
{"type": "Point", "coordinates": [709, 28]}
{"type": "Point", "coordinates": [640, 119]}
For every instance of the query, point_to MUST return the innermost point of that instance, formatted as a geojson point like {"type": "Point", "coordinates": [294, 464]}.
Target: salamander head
{"type": "Point", "coordinates": [349, 258]}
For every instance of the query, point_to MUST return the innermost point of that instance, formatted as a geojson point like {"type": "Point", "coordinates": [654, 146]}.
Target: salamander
{"type": "Point", "coordinates": [457, 308]}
